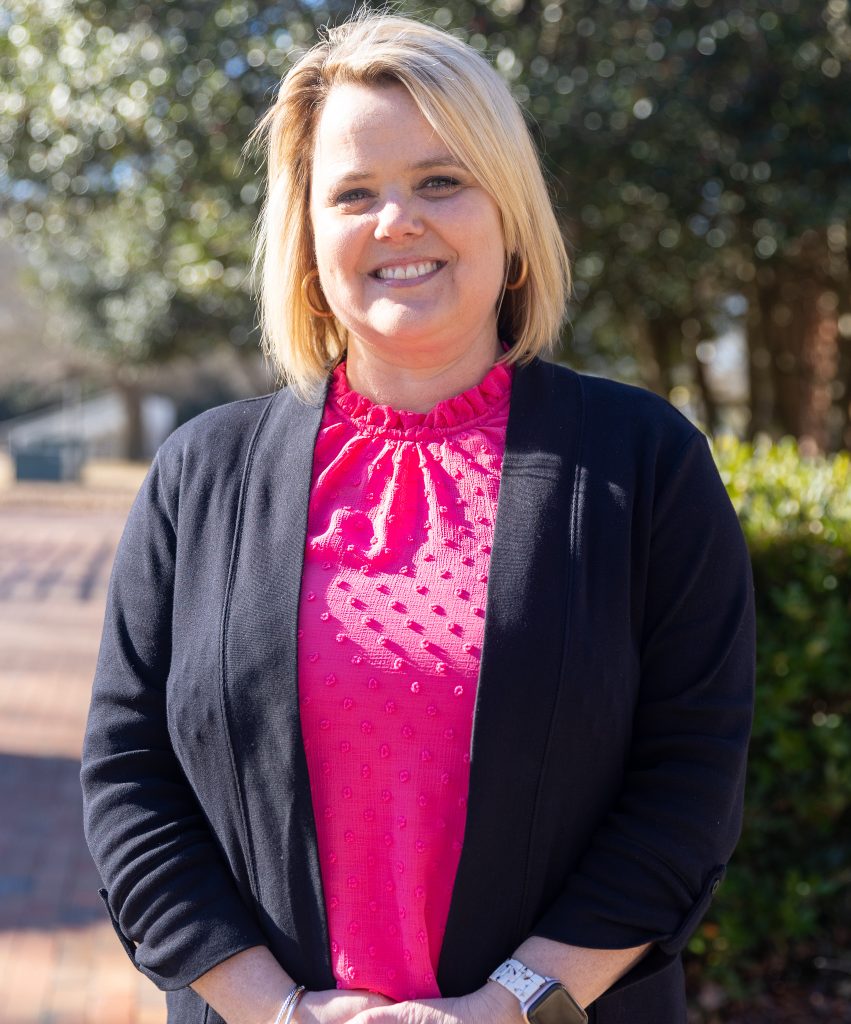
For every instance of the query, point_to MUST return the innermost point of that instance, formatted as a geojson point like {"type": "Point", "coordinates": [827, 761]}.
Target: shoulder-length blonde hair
{"type": "Point", "coordinates": [472, 110]}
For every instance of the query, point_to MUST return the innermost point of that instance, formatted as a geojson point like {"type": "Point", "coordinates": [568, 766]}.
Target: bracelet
{"type": "Point", "coordinates": [293, 996]}
{"type": "Point", "coordinates": [291, 1009]}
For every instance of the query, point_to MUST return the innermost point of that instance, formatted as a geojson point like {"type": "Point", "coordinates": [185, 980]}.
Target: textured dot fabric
{"type": "Point", "coordinates": [391, 620]}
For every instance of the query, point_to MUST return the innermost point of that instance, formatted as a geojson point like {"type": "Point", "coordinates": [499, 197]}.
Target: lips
{"type": "Point", "coordinates": [408, 272]}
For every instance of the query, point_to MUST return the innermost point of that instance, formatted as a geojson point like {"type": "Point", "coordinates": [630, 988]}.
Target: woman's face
{"type": "Point", "coordinates": [408, 245]}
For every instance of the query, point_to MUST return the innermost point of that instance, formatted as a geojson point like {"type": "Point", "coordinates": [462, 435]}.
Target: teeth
{"type": "Point", "coordinates": [406, 273]}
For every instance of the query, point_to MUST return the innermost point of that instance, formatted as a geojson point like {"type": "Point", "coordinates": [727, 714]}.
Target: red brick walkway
{"type": "Point", "coordinates": [60, 962]}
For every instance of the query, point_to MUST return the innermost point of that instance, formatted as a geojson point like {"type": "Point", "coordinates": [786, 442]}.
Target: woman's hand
{"type": "Point", "coordinates": [337, 1006]}
{"type": "Point", "coordinates": [490, 1004]}
{"type": "Point", "coordinates": [248, 987]}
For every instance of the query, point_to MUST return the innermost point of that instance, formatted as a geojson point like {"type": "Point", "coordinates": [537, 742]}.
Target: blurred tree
{"type": "Point", "coordinates": [699, 151]}
{"type": "Point", "coordinates": [121, 127]}
{"type": "Point", "coordinates": [703, 150]}
{"type": "Point", "coordinates": [772, 94]}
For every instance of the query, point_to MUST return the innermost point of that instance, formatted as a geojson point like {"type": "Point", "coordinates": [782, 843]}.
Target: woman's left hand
{"type": "Point", "coordinates": [487, 1005]}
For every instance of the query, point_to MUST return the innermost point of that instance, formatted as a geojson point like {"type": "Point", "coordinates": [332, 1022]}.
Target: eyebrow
{"type": "Point", "coordinates": [445, 160]}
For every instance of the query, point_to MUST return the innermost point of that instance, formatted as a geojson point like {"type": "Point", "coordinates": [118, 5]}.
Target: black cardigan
{"type": "Point", "coordinates": [611, 722]}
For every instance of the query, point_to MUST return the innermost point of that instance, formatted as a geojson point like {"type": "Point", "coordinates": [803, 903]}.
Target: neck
{"type": "Point", "coordinates": [416, 386]}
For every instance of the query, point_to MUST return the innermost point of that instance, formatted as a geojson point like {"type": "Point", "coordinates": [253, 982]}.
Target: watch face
{"type": "Point", "coordinates": [555, 1006]}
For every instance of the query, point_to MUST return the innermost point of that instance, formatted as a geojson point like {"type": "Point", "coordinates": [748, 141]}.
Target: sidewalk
{"type": "Point", "coordinates": [60, 962]}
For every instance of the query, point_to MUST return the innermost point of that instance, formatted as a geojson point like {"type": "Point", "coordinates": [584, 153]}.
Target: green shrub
{"type": "Point", "coordinates": [786, 901]}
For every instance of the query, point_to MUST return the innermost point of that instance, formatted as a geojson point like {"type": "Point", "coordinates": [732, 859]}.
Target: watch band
{"type": "Point", "coordinates": [519, 979]}
{"type": "Point", "coordinates": [533, 990]}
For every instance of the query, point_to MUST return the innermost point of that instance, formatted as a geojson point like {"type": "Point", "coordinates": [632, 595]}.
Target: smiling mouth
{"type": "Point", "coordinates": [408, 273]}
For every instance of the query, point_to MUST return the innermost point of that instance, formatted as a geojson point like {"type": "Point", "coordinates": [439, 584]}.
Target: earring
{"type": "Point", "coordinates": [307, 281]}
{"type": "Point", "coordinates": [513, 286]}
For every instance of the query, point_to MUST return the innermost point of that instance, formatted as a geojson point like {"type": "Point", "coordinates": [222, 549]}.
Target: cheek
{"type": "Point", "coordinates": [489, 260]}
{"type": "Point", "coordinates": [479, 231]}
{"type": "Point", "coordinates": [336, 249]}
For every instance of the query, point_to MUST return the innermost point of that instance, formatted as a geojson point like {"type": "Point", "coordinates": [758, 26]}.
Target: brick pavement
{"type": "Point", "coordinates": [60, 962]}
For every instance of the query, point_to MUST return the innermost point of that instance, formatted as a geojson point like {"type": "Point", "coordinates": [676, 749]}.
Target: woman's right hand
{"type": "Point", "coordinates": [336, 1006]}
{"type": "Point", "coordinates": [247, 988]}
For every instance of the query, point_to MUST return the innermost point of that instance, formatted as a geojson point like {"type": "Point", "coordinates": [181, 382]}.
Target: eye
{"type": "Point", "coordinates": [440, 184]}
{"type": "Point", "coordinates": [351, 197]}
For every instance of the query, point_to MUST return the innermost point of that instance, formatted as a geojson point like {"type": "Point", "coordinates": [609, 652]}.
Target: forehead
{"type": "Point", "coordinates": [372, 123]}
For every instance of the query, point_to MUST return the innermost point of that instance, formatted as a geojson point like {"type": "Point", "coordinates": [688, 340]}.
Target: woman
{"type": "Point", "coordinates": [426, 682]}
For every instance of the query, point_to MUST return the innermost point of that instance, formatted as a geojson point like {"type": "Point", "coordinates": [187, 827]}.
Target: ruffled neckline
{"type": "Point", "coordinates": [460, 412]}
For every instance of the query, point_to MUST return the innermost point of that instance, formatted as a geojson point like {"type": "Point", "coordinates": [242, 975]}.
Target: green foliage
{"type": "Point", "coordinates": [787, 897]}
{"type": "Point", "coordinates": [689, 144]}
{"type": "Point", "coordinates": [692, 144]}
{"type": "Point", "coordinates": [121, 175]}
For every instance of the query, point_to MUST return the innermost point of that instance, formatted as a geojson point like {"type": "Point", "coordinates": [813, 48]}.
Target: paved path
{"type": "Point", "coordinates": [60, 962]}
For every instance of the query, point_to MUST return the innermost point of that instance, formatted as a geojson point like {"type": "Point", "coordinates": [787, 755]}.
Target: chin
{"type": "Point", "coordinates": [403, 329]}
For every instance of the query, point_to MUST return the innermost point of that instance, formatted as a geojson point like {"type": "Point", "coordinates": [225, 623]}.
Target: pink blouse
{"type": "Point", "coordinates": [391, 619]}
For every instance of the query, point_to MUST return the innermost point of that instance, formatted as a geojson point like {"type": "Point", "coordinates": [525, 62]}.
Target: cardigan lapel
{"type": "Point", "coordinates": [260, 687]}
{"type": "Point", "coordinates": [526, 620]}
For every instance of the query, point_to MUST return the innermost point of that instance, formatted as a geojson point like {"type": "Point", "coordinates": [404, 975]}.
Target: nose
{"type": "Point", "coordinates": [397, 217]}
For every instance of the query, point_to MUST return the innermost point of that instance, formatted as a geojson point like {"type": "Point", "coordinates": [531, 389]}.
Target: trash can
{"type": "Point", "coordinates": [56, 459]}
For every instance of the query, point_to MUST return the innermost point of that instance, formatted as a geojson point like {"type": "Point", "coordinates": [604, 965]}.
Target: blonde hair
{"type": "Point", "coordinates": [471, 109]}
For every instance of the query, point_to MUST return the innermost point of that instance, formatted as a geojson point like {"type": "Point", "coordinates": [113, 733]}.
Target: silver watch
{"type": "Point", "coordinates": [542, 1000]}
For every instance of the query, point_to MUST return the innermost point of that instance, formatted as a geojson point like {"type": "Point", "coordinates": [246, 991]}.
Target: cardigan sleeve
{"type": "Point", "coordinates": [169, 892]}
{"type": "Point", "coordinates": [658, 856]}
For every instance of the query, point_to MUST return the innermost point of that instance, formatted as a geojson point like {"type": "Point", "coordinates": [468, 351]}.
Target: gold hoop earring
{"type": "Point", "coordinates": [306, 282]}
{"type": "Point", "coordinates": [513, 286]}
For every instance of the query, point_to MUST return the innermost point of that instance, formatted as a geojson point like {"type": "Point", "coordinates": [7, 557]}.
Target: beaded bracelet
{"type": "Point", "coordinates": [293, 996]}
